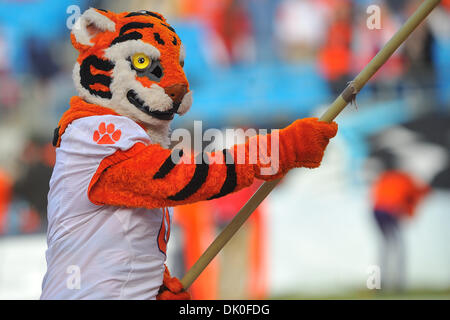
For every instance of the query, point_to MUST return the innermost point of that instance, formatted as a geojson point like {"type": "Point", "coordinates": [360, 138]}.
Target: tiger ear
{"type": "Point", "coordinates": [91, 23]}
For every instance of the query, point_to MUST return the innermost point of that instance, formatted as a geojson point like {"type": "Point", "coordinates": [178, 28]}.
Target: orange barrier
{"type": "Point", "coordinates": [5, 198]}
{"type": "Point", "coordinates": [197, 224]}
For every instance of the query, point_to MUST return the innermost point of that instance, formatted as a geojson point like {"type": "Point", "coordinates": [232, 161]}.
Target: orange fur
{"type": "Point", "coordinates": [95, 71]}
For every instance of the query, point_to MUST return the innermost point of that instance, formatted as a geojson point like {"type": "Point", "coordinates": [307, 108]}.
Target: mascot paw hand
{"type": "Point", "coordinates": [172, 289]}
{"type": "Point", "coordinates": [303, 143]}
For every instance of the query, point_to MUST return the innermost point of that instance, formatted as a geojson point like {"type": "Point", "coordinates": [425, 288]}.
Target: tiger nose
{"type": "Point", "coordinates": [176, 92]}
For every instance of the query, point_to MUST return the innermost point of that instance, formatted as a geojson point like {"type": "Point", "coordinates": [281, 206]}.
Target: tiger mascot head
{"type": "Point", "coordinates": [132, 63]}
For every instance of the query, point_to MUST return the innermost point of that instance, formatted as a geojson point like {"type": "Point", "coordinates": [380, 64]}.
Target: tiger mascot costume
{"type": "Point", "coordinates": [115, 179]}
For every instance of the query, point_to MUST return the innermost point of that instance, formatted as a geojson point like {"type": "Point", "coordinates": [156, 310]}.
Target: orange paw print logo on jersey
{"type": "Point", "coordinates": [106, 134]}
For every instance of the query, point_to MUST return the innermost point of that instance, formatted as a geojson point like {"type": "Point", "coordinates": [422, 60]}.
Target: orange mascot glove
{"type": "Point", "coordinates": [301, 144]}
{"type": "Point", "coordinates": [172, 289]}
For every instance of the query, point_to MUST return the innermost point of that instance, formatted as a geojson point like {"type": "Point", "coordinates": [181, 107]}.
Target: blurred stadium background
{"type": "Point", "coordinates": [259, 64]}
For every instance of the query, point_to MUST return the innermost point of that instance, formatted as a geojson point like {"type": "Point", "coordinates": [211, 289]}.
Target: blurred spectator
{"type": "Point", "coordinates": [301, 28]}
{"type": "Point", "coordinates": [366, 44]}
{"type": "Point", "coordinates": [229, 27]}
{"type": "Point", "coordinates": [396, 5]}
{"type": "Point", "coordinates": [4, 54]}
{"type": "Point", "coordinates": [263, 15]}
{"type": "Point", "coordinates": [9, 90]}
{"type": "Point", "coordinates": [418, 52]}
{"type": "Point", "coordinates": [232, 26]}
{"type": "Point", "coordinates": [439, 22]}
{"type": "Point", "coordinates": [395, 196]}
{"type": "Point", "coordinates": [335, 56]}
{"type": "Point", "coordinates": [33, 185]}
{"type": "Point", "coordinates": [236, 32]}
{"type": "Point", "coordinates": [201, 10]}
{"type": "Point", "coordinates": [42, 63]}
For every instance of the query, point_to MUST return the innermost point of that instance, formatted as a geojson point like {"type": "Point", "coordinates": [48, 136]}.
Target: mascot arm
{"type": "Point", "coordinates": [152, 178]}
{"type": "Point", "coordinates": [149, 177]}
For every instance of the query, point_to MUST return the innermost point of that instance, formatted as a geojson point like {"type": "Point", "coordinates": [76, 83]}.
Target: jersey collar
{"type": "Point", "coordinates": [78, 109]}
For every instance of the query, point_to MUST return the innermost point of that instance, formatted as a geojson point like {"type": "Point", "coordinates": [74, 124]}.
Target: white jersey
{"type": "Point", "coordinates": [99, 252]}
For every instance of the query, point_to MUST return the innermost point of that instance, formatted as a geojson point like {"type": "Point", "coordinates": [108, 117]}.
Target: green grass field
{"type": "Point", "coordinates": [375, 295]}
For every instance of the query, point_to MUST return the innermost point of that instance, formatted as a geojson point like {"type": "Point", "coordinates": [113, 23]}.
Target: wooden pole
{"type": "Point", "coordinates": [332, 112]}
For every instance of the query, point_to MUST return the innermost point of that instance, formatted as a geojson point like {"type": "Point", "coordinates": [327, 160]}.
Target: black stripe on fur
{"type": "Point", "coordinates": [155, 15]}
{"type": "Point", "coordinates": [135, 25]}
{"type": "Point", "coordinates": [197, 181]}
{"type": "Point", "coordinates": [144, 13]}
{"type": "Point", "coordinates": [167, 166]}
{"type": "Point", "coordinates": [88, 79]}
{"type": "Point", "coordinates": [158, 38]}
{"type": "Point", "coordinates": [230, 181]}
{"type": "Point", "coordinates": [125, 37]}
{"type": "Point", "coordinates": [168, 27]}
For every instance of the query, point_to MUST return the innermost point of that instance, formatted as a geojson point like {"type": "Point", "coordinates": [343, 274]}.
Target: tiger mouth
{"type": "Point", "coordinates": [134, 99]}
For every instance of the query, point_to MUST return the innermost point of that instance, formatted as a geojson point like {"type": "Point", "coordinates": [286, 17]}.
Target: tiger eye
{"type": "Point", "coordinates": [141, 61]}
